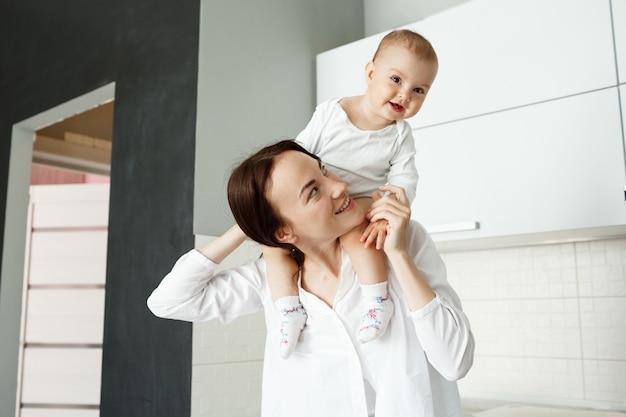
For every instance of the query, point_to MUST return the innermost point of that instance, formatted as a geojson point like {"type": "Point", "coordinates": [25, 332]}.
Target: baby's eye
{"type": "Point", "coordinates": [395, 79]}
{"type": "Point", "coordinates": [419, 90]}
{"type": "Point", "coordinates": [324, 170]}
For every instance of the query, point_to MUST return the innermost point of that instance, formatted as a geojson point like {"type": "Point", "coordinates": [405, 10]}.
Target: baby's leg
{"type": "Point", "coordinates": [369, 265]}
{"type": "Point", "coordinates": [282, 277]}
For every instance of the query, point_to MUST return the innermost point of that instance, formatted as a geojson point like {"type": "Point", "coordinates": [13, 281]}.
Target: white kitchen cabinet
{"type": "Point", "coordinates": [495, 55]}
{"type": "Point", "coordinates": [619, 26]}
{"type": "Point", "coordinates": [622, 90]}
{"type": "Point", "coordinates": [520, 139]}
{"type": "Point", "coordinates": [546, 171]}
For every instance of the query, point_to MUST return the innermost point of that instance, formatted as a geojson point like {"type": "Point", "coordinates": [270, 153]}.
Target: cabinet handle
{"type": "Point", "coordinates": [452, 227]}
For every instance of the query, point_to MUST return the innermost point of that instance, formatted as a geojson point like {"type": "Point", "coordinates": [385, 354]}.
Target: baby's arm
{"type": "Point", "coordinates": [368, 262]}
{"type": "Point", "coordinates": [376, 231]}
{"type": "Point", "coordinates": [281, 272]}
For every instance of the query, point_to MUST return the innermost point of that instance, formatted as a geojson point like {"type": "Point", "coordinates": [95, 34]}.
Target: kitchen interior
{"type": "Point", "coordinates": [522, 180]}
{"type": "Point", "coordinates": [520, 151]}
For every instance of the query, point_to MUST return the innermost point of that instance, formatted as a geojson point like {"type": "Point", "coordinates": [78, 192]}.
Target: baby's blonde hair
{"type": "Point", "coordinates": [414, 42]}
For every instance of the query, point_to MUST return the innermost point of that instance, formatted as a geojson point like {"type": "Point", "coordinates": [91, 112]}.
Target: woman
{"type": "Point", "coordinates": [282, 196]}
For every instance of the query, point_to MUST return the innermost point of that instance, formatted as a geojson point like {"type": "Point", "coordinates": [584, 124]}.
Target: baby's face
{"type": "Point", "coordinates": [398, 82]}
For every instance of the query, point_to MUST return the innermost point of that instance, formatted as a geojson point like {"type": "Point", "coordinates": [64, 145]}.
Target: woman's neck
{"type": "Point", "coordinates": [325, 259]}
{"type": "Point", "coordinates": [321, 272]}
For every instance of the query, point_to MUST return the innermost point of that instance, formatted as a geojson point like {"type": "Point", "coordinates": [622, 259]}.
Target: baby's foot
{"type": "Point", "coordinates": [378, 309]}
{"type": "Point", "coordinates": [293, 317]}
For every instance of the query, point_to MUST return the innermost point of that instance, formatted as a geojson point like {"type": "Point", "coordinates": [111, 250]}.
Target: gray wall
{"type": "Point", "coordinates": [381, 16]}
{"type": "Point", "coordinates": [257, 84]}
{"type": "Point", "coordinates": [55, 51]}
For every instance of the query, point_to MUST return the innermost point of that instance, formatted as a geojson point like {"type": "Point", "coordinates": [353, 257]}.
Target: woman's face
{"type": "Point", "coordinates": [314, 203]}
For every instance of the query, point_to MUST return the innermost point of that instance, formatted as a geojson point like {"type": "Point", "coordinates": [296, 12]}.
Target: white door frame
{"type": "Point", "coordinates": [16, 218]}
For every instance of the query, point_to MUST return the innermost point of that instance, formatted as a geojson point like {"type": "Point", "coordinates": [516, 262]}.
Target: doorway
{"type": "Point", "coordinates": [79, 154]}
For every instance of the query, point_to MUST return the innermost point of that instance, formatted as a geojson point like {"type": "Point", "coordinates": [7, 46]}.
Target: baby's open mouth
{"type": "Point", "coordinates": [396, 107]}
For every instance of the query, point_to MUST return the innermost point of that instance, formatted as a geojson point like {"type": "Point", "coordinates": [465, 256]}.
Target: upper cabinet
{"type": "Point", "coordinates": [521, 138]}
{"type": "Point", "coordinates": [542, 171]}
{"type": "Point", "coordinates": [494, 55]}
{"type": "Point", "coordinates": [619, 26]}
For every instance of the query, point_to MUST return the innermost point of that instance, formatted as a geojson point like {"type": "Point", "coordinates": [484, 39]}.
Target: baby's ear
{"type": "Point", "coordinates": [369, 72]}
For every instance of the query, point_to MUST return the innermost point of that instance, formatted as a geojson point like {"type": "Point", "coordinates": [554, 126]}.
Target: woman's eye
{"type": "Point", "coordinates": [395, 79]}
{"type": "Point", "coordinates": [313, 192]}
{"type": "Point", "coordinates": [419, 90]}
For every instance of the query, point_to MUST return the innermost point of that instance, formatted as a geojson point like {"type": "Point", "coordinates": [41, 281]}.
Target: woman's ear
{"type": "Point", "coordinates": [285, 234]}
{"type": "Point", "coordinates": [369, 72]}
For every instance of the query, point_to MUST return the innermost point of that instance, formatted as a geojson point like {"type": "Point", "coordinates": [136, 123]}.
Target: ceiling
{"type": "Point", "coordinates": [82, 142]}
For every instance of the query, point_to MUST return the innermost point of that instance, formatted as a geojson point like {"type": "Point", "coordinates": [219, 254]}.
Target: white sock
{"type": "Point", "coordinates": [292, 319]}
{"type": "Point", "coordinates": [377, 310]}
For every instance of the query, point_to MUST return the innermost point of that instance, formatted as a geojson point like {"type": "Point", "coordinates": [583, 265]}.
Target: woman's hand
{"type": "Point", "coordinates": [395, 210]}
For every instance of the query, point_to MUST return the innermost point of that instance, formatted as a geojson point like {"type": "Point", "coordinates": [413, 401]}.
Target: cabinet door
{"type": "Point", "coordinates": [619, 26]}
{"type": "Point", "coordinates": [622, 90]}
{"type": "Point", "coordinates": [548, 167]}
{"type": "Point", "coordinates": [497, 55]}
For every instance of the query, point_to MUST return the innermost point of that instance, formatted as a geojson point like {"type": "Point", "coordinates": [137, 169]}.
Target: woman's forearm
{"type": "Point", "coordinates": [224, 245]}
{"type": "Point", "coordinates": [416, 289]}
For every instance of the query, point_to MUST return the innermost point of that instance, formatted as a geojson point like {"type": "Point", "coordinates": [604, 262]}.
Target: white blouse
{"type": "Point", "coordinates": [408, 371]}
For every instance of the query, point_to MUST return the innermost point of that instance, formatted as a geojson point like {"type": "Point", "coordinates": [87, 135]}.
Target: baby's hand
{"type": "Point", "coordinates": [375, 232]}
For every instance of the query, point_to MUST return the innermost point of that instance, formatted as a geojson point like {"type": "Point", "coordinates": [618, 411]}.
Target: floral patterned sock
{"type": "Point", "coordinates": [378, 309]}
{"type": "Point", "coordinates": [292, 317]}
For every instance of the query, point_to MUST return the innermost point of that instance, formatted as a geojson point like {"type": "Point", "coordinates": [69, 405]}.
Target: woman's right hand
{"type": "Point", "coordinates": [395, 209]}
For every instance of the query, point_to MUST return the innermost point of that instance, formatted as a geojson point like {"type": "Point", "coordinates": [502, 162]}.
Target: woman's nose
{"type": "Point", "coordinates": [338, 187]}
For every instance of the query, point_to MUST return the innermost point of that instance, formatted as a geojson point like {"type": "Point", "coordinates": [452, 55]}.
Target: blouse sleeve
{"type": "Point", "coordinates": [442, 327]}
{"type": "Point", "coordinates": [194, 291]}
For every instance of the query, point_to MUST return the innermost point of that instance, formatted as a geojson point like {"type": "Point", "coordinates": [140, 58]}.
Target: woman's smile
{"type": "Point", "coordinates": [347, 205]}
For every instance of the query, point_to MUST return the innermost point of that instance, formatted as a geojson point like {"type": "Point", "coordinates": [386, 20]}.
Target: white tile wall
{"type": "Point", "coordinates": [231, 389]}
{"type": "Point", "coordinates": [549, 322]}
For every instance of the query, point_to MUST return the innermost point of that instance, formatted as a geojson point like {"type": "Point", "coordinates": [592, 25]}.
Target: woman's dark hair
{"type": "Point", "coordinates": [247, 188]}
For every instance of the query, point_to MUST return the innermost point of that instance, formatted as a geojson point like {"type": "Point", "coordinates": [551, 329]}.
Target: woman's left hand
{"type": "Point", "coordinates": [395, 209]}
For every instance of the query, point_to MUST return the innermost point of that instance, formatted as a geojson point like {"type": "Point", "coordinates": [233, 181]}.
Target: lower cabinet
{"type": "Point", "coordinates": [548, 171]}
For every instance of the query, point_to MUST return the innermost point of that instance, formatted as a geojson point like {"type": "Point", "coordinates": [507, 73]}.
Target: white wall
{"type": "Point", "coordinates": [381, 16]}
{"type": "Point", "coordinates": [256, 84]}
